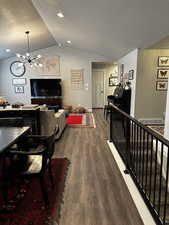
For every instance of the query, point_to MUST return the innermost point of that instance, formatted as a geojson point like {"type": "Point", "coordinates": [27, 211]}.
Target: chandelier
{"type": "Point", "coordinates": [32, 60]}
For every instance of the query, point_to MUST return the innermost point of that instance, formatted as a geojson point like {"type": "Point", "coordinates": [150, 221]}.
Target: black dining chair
{"type": "Point", "coordinates": [33, 159]}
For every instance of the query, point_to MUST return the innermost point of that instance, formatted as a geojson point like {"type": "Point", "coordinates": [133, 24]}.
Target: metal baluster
{"type": "Point", "coordinates": [155, 174]}
{"type": "Point", "coordinates": [147, 152]}
{"type": "Point", "coordinates": [137, 152]}
{"type": "Point", "coordinates": [127, 135]}
{"type": "Point", "coordinates": [161, 174]}
{"type": "Point", "coordinates": [143, 158]}
{"type": "Point", "coordinates": [151, 159]}
{"type": "Point", "coordinates": [134, 144]}
{"type": "Point", "coordinates": [139, 174]}
{"type": "Point", "coordinates": [111, 119]}
{"type": "Point", "coordinates": [166, 187]}
{"type": "Point", "coordinates": [131, 143]}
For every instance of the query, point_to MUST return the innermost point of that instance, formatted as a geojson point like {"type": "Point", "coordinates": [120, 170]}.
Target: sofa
{"type": "Point", "coordinates": [49, 119]}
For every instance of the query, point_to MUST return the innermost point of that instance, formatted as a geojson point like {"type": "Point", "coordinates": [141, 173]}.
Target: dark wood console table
{"type": "Point", "coordinates": [29, 115]}
{"type": "Point", "coordinates": [48, 101]}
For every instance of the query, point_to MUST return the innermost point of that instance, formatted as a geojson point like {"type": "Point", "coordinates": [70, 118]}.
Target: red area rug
{"type": "Point", "coordinates": [74, 119]}
{"type": "Point", "coordinates": [86, 120]}
{"type": "Point", "coordinates": [28, 208]}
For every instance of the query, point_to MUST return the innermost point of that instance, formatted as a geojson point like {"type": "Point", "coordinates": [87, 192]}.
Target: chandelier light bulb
{"type": "Point", "coordinates": [69, 42]}
{"type": "Point", "coordinates": [39, 56]}
{"type": "Point", "coordinates": [18, 55]}
{"type": "Point", "coordinates": [8, 50]}
{"type": "Point", "coordinates": [60, 14]}
{"type": "Point", "coordinates": [27, 54]}
{"type": "Point", "coordinates": [40, 64]}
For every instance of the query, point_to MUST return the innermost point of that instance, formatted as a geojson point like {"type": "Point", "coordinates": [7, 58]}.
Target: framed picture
{"type": "Point", "coordinates": [121, 72]}
{"type": "Point", "coordinates": [161, 85]}
{"type": "Point", "coordinates": [19, 81]}
{"type": "Point", "coordinates": [163, 61]}
{"type": "Point", "coordinates": [131, 74]}
{"type": "Point", "coordinates": [113, 81]}
{"type": "Point", "coordinates": [19, 89]}
{"type": "Point", "coordinates": [162, 73]}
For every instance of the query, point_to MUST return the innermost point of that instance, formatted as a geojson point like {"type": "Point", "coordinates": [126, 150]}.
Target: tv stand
{"type": "Point", "coordinates": [52, 101]}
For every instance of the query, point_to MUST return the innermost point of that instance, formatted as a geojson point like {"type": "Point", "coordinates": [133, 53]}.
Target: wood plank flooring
{"type": "Point", "coordinates": [95, 193]}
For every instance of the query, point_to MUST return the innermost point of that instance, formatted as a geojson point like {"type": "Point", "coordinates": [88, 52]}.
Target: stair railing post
{"type": "Point", "coordinates": [111, 122]}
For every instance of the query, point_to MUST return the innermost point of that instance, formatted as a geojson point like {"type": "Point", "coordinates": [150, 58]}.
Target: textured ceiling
{"type": "Point", "coordinates": [15, 18]}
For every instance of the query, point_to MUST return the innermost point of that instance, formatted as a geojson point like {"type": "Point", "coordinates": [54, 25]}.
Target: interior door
{"type": "Point", "coordinates": [98, 89]}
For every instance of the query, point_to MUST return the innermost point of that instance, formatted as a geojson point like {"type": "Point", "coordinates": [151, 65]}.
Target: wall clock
{"type": "Point", "coordinates": [17, 68]}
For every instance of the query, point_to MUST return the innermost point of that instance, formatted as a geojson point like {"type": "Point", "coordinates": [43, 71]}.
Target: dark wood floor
{"type": "Point", "coordinates": [95, 193]}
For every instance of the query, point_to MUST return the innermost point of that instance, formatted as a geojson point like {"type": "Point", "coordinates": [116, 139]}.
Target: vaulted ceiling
{"type": "Point", "coordinates": [110, 28]}
{"type": "Point", "coordinates": [16, 17]}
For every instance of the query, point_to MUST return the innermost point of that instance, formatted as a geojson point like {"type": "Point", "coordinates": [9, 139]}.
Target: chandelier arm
{"type": "Point", "coordinates": [34, 58]}
{"type": "Point", "coordinates": [27, 58]}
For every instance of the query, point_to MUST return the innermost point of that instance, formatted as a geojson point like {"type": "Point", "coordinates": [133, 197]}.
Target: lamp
{"type": "Point", "coordinates": [27, 58]}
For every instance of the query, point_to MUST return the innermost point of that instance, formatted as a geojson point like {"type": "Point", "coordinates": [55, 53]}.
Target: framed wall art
{"type": "Point", "coordinates": [19, 89]}
{"type": "Point", "coordinates": [163, 61]}
{"type": "Point", "coordinates": [162, 73]}
{"type": "Point", "coordinates": [161, 85]}
{"type": "Point", "coordinates": [77, 79]}
{"type": "Point", "coordinates": [121, 72]}
{"type": "Point", "coordinates": [131, 74]}
{"type": "Point", "coordinates": [19, 81]}
{"type": "Point", "coordinates": [113, 81]}
{"type": "Point", "coordinates": [51, 66]}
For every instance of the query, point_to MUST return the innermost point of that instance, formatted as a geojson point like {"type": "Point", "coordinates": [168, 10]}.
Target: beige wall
{"type": "Point", "coordinates": [149, 104]}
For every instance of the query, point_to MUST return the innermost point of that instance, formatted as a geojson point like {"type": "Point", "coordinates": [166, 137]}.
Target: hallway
{"type": "Point", "coordinates": [95, 193]}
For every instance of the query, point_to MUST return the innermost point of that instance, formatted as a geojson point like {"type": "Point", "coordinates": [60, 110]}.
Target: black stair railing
{"type": "Point", "coordinates": [146, 156]}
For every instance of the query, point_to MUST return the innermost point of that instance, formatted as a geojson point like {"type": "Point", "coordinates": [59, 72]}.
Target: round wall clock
{"type": "Point", "coordinates": [17, 68]}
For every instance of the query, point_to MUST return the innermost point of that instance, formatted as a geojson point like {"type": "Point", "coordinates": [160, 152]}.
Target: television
{"type": "Point", "coordinates": [46, 87]}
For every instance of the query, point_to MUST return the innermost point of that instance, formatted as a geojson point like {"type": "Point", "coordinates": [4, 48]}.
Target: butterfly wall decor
{"type": "Point", "coordinates": [163, 61]}
{"type": "Point", "coordinates": [161, 85]}
{"type": "Point", "coordinates": [162, 73]}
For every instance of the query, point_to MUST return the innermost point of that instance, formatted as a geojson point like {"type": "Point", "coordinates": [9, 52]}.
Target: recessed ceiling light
{"type": "Point", "coordinates": [69, 42]}
{"type": "Point", "coordinates": [60, 14]}
{"type": "Point", "coordinates": [8, 50]}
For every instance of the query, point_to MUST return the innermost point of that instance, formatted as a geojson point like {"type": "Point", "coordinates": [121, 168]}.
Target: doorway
{"type": "Point", "coordinates": [98, 88]}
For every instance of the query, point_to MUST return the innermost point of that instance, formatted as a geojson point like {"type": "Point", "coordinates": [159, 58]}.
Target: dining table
{"type": "Point", "coordinates": [8, 137]}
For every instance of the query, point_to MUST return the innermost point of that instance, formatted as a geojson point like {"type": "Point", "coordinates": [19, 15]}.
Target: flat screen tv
{"type": "Point", "coordinates": [46, 87]}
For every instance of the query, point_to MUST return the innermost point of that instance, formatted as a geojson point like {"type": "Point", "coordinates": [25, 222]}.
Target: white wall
{"type": "Point", "coordinates": [130, 63]}
{"type": "Point", "coordinates": [69, 59]}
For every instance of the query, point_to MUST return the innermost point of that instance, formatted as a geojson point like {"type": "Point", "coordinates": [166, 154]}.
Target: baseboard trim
{"type": "Point", "coordinates": [151, 120]}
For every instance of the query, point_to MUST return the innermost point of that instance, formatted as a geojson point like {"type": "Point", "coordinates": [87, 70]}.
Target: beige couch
{"type": "Point", "coordinates": [49, 119]}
